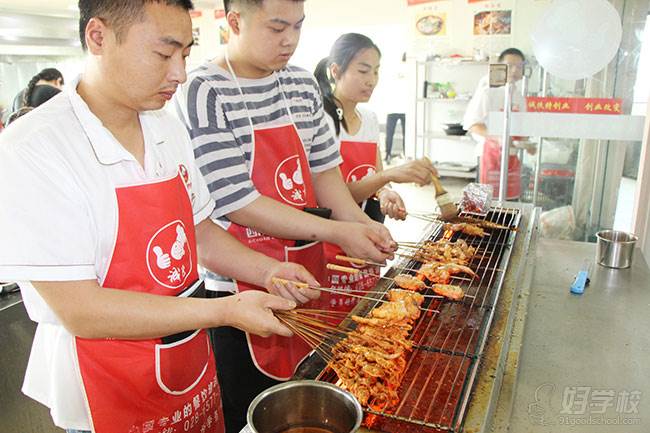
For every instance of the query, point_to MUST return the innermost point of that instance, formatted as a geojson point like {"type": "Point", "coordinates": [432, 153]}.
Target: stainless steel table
{"type": "Point", "coordinates": [582, 363]}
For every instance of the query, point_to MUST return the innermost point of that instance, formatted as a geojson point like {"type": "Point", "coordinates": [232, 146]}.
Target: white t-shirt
{"type": "Point", "coordinates": [367, 133]}
{"type": "Point", "coordinates": [58, 171]}
{"type": "Point", "coordinates": [487, 99]}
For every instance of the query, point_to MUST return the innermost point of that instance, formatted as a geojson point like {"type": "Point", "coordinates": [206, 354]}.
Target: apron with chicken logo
{"type": "Point", "coordinates": [280, 171]}
{"type": "Point", "coordinates": [158, 385]}
{"type": "Point", "coordinates": [359, 161]}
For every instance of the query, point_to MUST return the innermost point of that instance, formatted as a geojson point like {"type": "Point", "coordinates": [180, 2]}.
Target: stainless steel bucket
{"type": "Point", "coordinates": [615, 249]}
{"type": "Point", "coordinates": [304, 406]}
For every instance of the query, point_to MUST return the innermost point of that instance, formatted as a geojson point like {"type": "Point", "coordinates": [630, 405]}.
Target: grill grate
{"type": "Point", "coordinates": [435, 390]}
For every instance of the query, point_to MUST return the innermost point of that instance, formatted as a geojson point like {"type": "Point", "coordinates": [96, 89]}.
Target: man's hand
{"type": "Point", "coordinates": [370, 241]}
{"type": "Point", "coordinates": [292, 272]}
{"type": "Point", "coordinates": [252, 312]}
{"type": "Point", "coordinates": [392, 204]}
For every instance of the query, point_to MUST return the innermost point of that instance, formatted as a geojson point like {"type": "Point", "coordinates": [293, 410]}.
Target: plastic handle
{"type": "Point", "coordinates": [578, 286]}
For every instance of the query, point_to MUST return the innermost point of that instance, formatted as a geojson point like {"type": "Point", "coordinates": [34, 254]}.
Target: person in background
{"type": "Point", "coordinates": [263, 144]}
{"type": "Point", "coordinates": [347, 78]}
{"type": "Point", "coordinates": [104, 221]}
{"type": "Point", "coordinates": [36, 90]}
{"type": "Point", "coordinates": [488, 99]}
{"type": "Point", "coordinates": [36, 95]}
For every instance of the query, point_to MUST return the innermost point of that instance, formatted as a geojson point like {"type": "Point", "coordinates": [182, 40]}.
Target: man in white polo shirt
{"type": "Point", "coordinates": [104, 220]}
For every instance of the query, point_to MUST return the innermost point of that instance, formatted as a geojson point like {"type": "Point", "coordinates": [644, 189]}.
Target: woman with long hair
{"type": "Point", "coordinates": [347, 78]}
{"type": "Point", "coordinates": [41, 87]}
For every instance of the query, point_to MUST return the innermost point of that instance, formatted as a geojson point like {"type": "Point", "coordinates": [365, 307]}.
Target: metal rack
{"type": "Point", "coordinates": [448, 346]}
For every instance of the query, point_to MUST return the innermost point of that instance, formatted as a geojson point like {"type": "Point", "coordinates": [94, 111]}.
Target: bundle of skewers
{"type": "Point", "coordinates": [369, 355]}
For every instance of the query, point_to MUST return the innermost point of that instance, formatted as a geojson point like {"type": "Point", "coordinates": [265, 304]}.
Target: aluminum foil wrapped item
{"type": "Point", "coordinates": [477, 199]}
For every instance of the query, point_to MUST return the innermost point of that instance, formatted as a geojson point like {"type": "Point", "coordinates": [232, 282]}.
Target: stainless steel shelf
{"type": "Point", "coordinates": [443, 136]}
{"type": "Point", "coordinates": [444, 100]}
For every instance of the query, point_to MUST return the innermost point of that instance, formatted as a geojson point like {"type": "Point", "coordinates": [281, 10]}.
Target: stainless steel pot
{"type": "Point", "coordinates": [304, 406]}
{"type": "Point", "coordinates": [615, 249]}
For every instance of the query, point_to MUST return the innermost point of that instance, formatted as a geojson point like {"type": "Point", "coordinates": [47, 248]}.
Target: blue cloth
{"type": "Point", "coordinates": [78, 431]}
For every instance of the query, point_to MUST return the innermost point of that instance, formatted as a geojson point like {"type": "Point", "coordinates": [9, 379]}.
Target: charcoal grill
{"type": "Point", "coordinates": [449, 344]}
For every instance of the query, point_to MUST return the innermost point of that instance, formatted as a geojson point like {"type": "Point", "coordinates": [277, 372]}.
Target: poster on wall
{"type": "Point", "coordinates": [432, 24]}
{"type": "Point", "coordinates": [497, 22]}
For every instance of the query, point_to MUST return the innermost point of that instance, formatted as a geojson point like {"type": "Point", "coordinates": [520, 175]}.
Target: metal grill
{"type": "Point", "coordinates": [448, 344]}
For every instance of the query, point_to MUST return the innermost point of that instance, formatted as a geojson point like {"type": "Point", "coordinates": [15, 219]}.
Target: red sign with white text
{"type": "Point", "coordinates": [574, 105]}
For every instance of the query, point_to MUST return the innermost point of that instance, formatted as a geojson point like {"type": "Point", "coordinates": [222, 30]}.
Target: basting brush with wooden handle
{"type": "Point", "coordinates": [448, 210]}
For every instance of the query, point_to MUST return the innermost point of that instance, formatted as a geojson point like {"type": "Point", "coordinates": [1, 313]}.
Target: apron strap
{"type": "Point", "coordinates": [196, 290]}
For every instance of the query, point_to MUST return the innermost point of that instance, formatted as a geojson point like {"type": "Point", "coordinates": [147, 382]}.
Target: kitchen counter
{"type": "Point", "coordinates": [579, 363]}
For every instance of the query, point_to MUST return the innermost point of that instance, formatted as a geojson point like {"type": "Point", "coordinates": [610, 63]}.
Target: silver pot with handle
{"type": "Point", "coordinates": [304, 406]}
{"type": "Point", "coordinates": [615, 249]}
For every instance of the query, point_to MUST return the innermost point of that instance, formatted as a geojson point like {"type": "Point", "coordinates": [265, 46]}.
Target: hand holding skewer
{"type": "Point", "coordinates": [281, 279]}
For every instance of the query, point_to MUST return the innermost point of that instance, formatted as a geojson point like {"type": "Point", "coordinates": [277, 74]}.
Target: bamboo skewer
{"type": "Point", "coordinates": [357, 261]}
{"type": "Point", "coordinates": [345, 293]}
{"type": "Point", "coordinates": [348, 293]}
{"type": "Point", "coordinates": [357, 271]}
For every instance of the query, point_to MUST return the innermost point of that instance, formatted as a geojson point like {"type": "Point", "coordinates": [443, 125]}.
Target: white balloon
{"type": "Point", "coordinates": [574, 39]}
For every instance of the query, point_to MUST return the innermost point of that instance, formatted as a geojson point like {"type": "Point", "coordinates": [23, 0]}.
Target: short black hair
{"type": "Point", "coordinates": [228, 4]}
{"type": "Point", "coordinates": [511, 52]}
{"type": "Point", "coordinates": [119, 14]}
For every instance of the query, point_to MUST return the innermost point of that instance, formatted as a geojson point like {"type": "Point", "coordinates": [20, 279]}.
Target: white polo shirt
{"type": "Point", "coordinates": [485, 100]}
{"type": "Point", "coordinates": [59, 168]}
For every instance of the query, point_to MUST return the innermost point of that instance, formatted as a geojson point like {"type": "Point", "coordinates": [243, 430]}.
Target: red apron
{"type": "Point", "coordinates": [280, 170]}
{"type": "Point", "coordinates": [359, 161]}
{"type": "Point", "coordinates": [491, 169]}
{"type": "Point", "coordinates": [161, 385]}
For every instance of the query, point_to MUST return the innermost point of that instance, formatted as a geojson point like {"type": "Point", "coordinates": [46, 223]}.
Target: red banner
{"type": "Point", "coordinates": [219, 13]}
{"type": "Point", "coordinates": [575, 105]}
{"type": "Point", "coordinates": [418, 2]}
{"type": "Point", "coordinates": [196, 14]}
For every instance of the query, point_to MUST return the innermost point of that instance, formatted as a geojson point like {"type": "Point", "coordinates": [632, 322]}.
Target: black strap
{"type": "Point", "coordinates": [196, 291]}
{"type": "Point", "coordinates": [322, 212]}
{"type": "Point", "coordinates": [372, 208]}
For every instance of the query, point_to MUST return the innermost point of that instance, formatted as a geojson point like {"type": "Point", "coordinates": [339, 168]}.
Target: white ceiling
{"type": "Point", "coordinates": [58, 7]}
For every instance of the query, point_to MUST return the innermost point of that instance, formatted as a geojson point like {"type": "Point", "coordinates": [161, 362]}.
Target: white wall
{"type": "Point", "coordinates": [391, 24]}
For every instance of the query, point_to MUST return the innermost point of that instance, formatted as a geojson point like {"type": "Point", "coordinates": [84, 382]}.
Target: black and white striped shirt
{"type": "Point", "coordinates": [211, 106]}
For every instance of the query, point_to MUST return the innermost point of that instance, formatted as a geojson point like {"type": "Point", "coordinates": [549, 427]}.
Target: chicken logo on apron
{"type": "Point", "coordinates": [289, 181]}
{"type": "Point", "coordinates": [169, 258]}
{"type": "Point", "coordinates": [360, 172]}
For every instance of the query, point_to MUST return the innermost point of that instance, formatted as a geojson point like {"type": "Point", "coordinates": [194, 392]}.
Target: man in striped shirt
{"type": "Point", "coordinates": [245, 110]}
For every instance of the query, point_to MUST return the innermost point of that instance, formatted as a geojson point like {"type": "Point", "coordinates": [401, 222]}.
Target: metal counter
{"type": "Point", "coordinates": [579, 363]}
{"type": "Point", "coordinates": [20, 414]}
